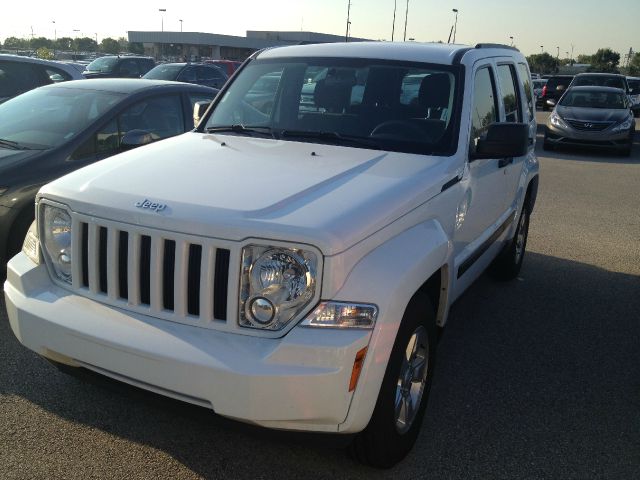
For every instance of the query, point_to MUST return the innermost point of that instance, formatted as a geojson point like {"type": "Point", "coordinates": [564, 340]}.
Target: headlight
{"type": "Point", "coordinates": [31, 245]}
{"type": "Point", "coordinates": [276, 285]}
{"type": "Point", "coordinates": [342, 315]}
{"type": "Point", "coordinates": [556, 120]}
{"type": "Point", "coordinates": [56, 231]}
{"type": "Point", "coordinates": [626, 125]}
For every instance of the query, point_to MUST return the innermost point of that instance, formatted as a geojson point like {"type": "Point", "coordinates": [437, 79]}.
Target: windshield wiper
{"type": "Point", "coordinates": [240, 128]}
{"type": "Point", "coordinates": [332, 136]}
{"type": "Point", "coordinates": [12, 144]}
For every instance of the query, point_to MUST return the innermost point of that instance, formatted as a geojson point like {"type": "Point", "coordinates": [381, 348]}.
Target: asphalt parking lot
{"type": "Point", "coordinates": [536, 378]}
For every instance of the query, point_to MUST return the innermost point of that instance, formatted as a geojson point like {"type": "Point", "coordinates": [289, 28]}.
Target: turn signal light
{"type": "Point", "coordinates": [357, 369]}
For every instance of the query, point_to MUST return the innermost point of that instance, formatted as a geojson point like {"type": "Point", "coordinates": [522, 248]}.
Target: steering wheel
{"type": "Point", "coordinates": [397, 128]}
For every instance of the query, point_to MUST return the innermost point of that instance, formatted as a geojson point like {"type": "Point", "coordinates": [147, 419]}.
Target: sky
{"type": "Point", "coordinates": [585, 24]}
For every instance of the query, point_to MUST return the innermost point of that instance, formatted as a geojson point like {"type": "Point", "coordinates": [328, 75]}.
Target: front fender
{"type": "Point", "coordinates": [388, 277]}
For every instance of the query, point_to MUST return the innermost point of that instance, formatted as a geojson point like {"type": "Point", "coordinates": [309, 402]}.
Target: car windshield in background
{"type": "Point", "coordinates": [102, 64]}
{"type": "Point", "coordinates": [164, 72]}
{"type": "Point", "coordinates": [45, 118]}
{"type": "Point", "coordinates": [599, 81]}
{"type": "Point", "coordinates": [396, 106]}
{"type": "Point", "coordinates": [593, 99]}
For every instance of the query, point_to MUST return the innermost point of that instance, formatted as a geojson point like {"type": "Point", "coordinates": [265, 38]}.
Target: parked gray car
{"type": "Point", "coordinates": [597, 117]}
{"type": "Point", "coordinates": [21, 74]}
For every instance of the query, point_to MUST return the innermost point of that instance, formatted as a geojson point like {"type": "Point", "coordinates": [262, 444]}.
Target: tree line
{"type": "Point", "coordinates": [46, 47]}
{"type": "Point", "coordinates": [604, 60]}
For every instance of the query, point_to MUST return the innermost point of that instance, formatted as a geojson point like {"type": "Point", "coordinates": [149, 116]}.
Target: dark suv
{"type": "Point", "coordinates": [125, 66]}
{"type": "Point", "coordinates": [553, 90]}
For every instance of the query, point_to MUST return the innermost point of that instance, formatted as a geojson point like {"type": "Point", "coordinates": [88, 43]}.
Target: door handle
{"type": "Point", "coordinates": [503, 162]}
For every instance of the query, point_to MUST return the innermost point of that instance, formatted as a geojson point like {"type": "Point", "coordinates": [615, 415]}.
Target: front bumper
{"type": "Point", "coordinates": [297, 382]}
{"type": "Point", "coordinates": [561, 136]}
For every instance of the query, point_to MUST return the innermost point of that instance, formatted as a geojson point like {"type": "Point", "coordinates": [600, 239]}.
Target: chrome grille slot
{"type": "Point", "coordinates": [169, 275]}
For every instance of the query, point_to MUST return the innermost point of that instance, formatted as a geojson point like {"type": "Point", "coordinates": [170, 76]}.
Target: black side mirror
{"type": "Point", "coordinates": [136, 138]}
{"type": "Point", "coordinates": [503, 140]}
{"type": "Point", "coordinates": [199, 109]}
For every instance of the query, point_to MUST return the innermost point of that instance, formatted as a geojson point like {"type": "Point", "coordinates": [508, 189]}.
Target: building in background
{"type": "Point", "coordinates": [196, 46]}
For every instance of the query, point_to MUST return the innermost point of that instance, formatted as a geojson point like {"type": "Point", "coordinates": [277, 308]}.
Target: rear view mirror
{"type": "Point", "coordinates": [503, 140]}
{"type": "Point", "coordinates": [199, 109]}
{"type": "Point", "coordinates": [136, 138]}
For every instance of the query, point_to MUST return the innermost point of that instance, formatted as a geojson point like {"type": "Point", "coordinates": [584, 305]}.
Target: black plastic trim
{"type": "Point", "coordinates": [473, 258]}
{"type": "Point", "coordinates": [457, 58]}
{"type": "Point", "coordinates": [496, 45]}
{"type": "Point", "coordinates": [450, 183]}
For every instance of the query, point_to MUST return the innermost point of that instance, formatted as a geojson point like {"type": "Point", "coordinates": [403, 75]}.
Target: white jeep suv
{"type": "Point", "coordinates": [288, 262]}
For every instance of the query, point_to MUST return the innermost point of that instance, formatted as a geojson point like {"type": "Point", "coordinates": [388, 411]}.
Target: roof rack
{"type": "Point", "coordinates": [495, 45]}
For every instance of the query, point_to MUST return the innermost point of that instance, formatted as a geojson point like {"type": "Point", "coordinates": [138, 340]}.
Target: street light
{"type": "Point", "coordinates": [180, 25]}
{"type": "Point", "coordinates": [406, 17]}
{"type": "Point", "coordinates": [55, 34]}
{"type": "Point", "coordinates": [541, 48]}
{"type": "Point", "coordinates": [455, 24]}
{"type": "Point", "coordinates": [511, 37]}
{"type": "Point", "coordinates": [558, 55]}
{"type": "Point", "coordinates": [346, 35]}
{"type": "Point", "coordinates": [162, 11]}
{"type": "Point", "coordinates": [393, 27]}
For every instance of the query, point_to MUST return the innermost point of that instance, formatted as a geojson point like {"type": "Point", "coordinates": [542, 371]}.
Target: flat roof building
{"type": "Point", "coordinates": [178, 46]}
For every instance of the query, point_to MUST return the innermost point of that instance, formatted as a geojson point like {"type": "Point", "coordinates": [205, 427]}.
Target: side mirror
{"type": "Point", "coordinates": [136, 138]}
{"type": "Point", "coordinates": [551, 102]}
{"type": "Point", "coordinates": [560, 88]}
{"type": "Point", "coordinates": [503, 140]}
{"type": "Point", "coordinates": [199, 109]}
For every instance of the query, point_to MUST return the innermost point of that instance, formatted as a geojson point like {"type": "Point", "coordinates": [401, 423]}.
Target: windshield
{"type": "Point", "coordinates": [102, 64]}
{"type": "Point", "coordinates": [164, 72]}
{"type": "Point", "coordinates": [388, 105]}
{"type": "Point", "coordinates": [47, 117]}
{"type": "Point", "coordinates": [599, 81]}
{"type": "Point", "coordinates": [593, 99]}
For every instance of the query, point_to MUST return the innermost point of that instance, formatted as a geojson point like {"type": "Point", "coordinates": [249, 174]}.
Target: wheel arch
{"type": "Point", "coordinates": [415, 261]}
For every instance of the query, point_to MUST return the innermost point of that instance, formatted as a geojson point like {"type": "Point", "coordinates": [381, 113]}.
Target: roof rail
{"type": "Point", "coordinates": [496, 45]}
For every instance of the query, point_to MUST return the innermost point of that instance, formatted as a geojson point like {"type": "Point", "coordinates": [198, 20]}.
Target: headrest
{"type": "Point", "coordinates": [333, 93]}
{"type": "Point", "coordinates": [434, 91]}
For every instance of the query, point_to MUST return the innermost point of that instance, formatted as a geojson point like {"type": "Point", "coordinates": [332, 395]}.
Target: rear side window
{"type": "Point", "coordinates": [129, 68]}
{"type": "Point", "coordinates": [17, 77]}
{"type": "Point", "coordinates": [510, 95]}
{"type": "Point", "coordinates": [56, 75]}
{"type": "Point", "coordinates": [485, 108]}
{"type": "Point", "coordinates": [525, 81]}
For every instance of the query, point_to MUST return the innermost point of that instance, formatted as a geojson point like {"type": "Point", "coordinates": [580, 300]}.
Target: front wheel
{"type": "Point", "coordinates": [507, 264]}
{"type": "Point", "coordinates": [402, 400]}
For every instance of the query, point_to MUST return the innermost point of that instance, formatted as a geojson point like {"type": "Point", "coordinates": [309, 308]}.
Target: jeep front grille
{"type": "Point", "coordinates": [178, 277]}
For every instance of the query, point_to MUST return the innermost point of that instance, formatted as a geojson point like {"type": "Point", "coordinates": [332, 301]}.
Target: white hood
{"type": "Point", "coordinates": [235, 187]}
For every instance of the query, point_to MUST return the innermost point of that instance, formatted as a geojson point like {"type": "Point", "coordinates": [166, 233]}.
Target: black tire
{"type": "Point", "coordinates": [626, 152]}
{"type": "Point", "coordinates": [508, 263]}
{"type": "Point", "coordinates": [546, 145]}
{"type": "Point", "coordinates": [381, 444]}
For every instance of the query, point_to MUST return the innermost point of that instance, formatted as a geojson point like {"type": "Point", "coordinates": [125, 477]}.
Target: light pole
{"type": "Point", "coordinates": [393, 27]}
{"type": "Point", "coordinates": [162, 11]}
{"type": "Point", "coordinates": [455, 24]}
{"type": "Point", "coordinates": [75, 41]}
{"type": "Point", "coordinates": [346, 35]}
{"type": "Point", "coordinates": [406, 17]}
{"type": "Point", "coordinates": [96, 41]}
{"type": "Point", "coordinates": [558, 55]}
{"type": "Point", "coordinates": [180, 25]}
{"type": "Point", "coordinates": [55, 38]}
{"type": "Point", "coordinates": [541, 48]}
{"type": "Point", "coordinates": [511, 37]}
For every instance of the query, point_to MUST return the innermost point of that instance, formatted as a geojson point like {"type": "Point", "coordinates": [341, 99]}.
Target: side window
{"type": "Point", "coordinates": [17, 77]}
{"type": "Point", "coordinates": [160, 116]}
{"type": "Point", "coordinates": [510, 96]}
{"type": "Point", "coordinates": [525, 81]}
{"type": "Point", "coordinates": [129, 68]}
{"type": "Point", "coordinates": [104, 142]}
{"type": "Point", "coordinates": [144, 65]}
{"type": "Point", "coordinates": [484, 110]}
{"type": "Point", "coordinates": [188, 75]}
